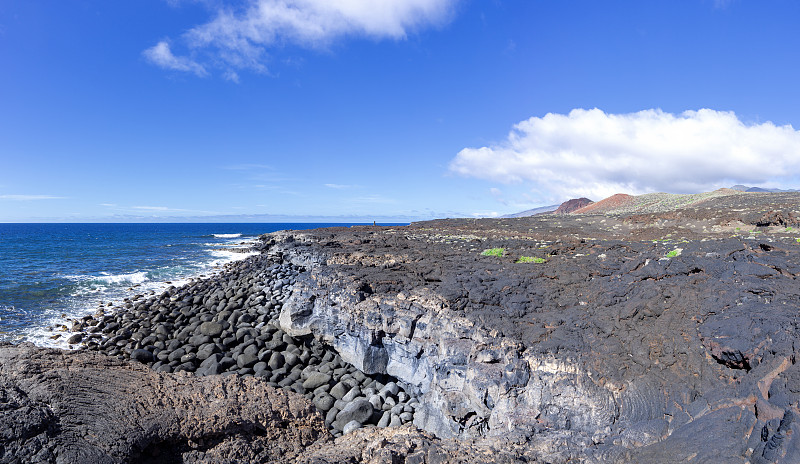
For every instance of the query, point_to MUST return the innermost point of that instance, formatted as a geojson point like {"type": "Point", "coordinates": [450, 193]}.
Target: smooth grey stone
{"type": "Point", "coordinates": [330, 417]}
{"type": "Point", "coordinates": [227, 362]}
{"type": "Point", "coordinates": [391, 388]}
{"type": "Point", "coordinates": [359, 410]}
{"type": "Point", "coordinates": [197, 340]}
{"type": "Point", "coordinates": [77, 339]}
{"type": "Point", "coordinates": [324, 402]}
{"type": "Point", "coordinates": [211, 360]}
{"type": "Point", "coordinates": [402, 397]}
{"type": "Point", "coordinates": [340, 404]}
{"type": "Point", "coordinates": [376, 402]}
{"type": "Point", "coordinates": [338, 391]}
{"type": "Point", "coordinates": [315, 380]}
{"type": "Point", "coordinates": [290, 358]}
{"type": "Point", "coordinates": [276, 361]}
{"type": "Point", "coordinates": [354, 393]}
{"type": "Point", "coordinates": [406, 417]}
{"type": "Point", "coordinates": [385, 418]}
{"type": "Point", "coordinates": [322, 389]}
{"type": "Point", "coordinates": [397, 409]}
{"type": "Point", "coordinates": [176, 355]}
{"type": "Point", "coordinates": [350, 426]}
{"type": "Point", "coordinates": [251, 349]}
{"type": "Point", "coordinates": [143, 356]}
{"type": "Point", "coordinates": [395, 422]}
{"type": "Point", "coordinates": [212, 329]}
{"type": "Point", "coordinates": [245, 360]}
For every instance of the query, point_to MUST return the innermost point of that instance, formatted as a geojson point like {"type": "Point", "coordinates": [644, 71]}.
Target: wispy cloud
{"type": "Point", "coordinates": [594, 154]}
{"type": "Point", "coordinates": [238, 37]}
{"type": "Point", "coordinates": [155, 208]}
{"type": "Point", "coordinates": [30, 197]}
{"type": "Point", "coordinates": [340, 186]}
{"type": "Point", "coordinates": [374, 199]}
{"type": "Point", "coordinates": [161, 55]}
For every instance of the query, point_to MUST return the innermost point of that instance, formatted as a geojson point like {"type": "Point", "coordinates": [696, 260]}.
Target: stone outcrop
{"type": "Point", "coordinates": [608, 351]}
{"type": "Point", "coordinates": [82, 408]}
{"type": "Point", "coordinates": [89, 408]}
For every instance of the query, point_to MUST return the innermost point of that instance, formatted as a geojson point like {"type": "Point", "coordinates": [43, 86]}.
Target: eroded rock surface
{"type": "Point", "coordinates": [73, 407]}
{"type": "Point", "coordinates": [634, 339]}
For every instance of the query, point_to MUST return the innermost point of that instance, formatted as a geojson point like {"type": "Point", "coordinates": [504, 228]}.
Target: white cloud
{"type": "Point", "coordinates": [162, 56]}
{"type": "Point", "coordinates": [238, 38]}
{"type": "Point", "coordinates": [155, 208]}
{"type": "Point", "coordinates": [339, 186]}
{"type": "Point", "coordinates": [30, 197]}
{"type": "Point", "coordinates": [595, 154]}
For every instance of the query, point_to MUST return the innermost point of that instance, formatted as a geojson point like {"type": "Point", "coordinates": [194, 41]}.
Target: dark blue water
{"type": "Point", "coordinates": [52, 272]}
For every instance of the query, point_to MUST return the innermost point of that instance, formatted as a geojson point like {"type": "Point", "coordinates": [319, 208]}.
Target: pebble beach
{"type": "Point", "coordinates": [227, 324]}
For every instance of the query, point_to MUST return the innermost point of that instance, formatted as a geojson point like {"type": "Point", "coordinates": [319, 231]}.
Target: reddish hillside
{"type": "Point", "coordinates": [572, 205]}
{"type": "Point", "coordinates": [610, 203]}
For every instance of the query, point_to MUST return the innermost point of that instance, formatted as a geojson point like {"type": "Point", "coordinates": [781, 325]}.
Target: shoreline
{"type": "Point", "coordinates": [227, 323]}
{"type": "Point", "coordinates": [51, 333]}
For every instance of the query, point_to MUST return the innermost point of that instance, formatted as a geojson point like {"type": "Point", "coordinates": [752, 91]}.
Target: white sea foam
{"type": "Point", "coordinates": [134, 278]}
{"type": "Point", "coordinates": [95, 291]}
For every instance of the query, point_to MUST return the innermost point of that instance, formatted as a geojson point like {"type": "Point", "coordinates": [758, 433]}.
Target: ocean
{"type": "Point", "coordinates": [50, 273]}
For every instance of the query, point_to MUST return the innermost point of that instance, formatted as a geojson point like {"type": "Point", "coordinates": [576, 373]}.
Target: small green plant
{"type": "Point", "coordinates": [738, 229]}
{"type": "Point", "coordinates": [531, 259]}
{"type": "Point", "coordinates": [494, 252]}
{"type": "Point", "coordinates": [674, 253]}
{"type": "Point", "coordinates": [788, 229]}
{"type": "Point", "coordinates": [797, 240]}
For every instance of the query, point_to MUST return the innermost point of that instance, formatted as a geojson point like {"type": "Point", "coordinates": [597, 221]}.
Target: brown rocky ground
{"type": "Point", "coordinates": [664, 333]}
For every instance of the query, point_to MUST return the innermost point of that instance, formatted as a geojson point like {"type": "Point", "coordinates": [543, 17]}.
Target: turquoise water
{"type": "Point", "coordinates": [53, 272]}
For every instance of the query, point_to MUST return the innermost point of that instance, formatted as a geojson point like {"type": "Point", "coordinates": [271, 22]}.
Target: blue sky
{"type": "Point", "coordinates": [393, 110]}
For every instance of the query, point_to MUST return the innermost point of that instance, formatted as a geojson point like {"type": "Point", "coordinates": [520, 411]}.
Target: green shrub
{"type": "Point", "coordinates": [494, 252]}
{"type": "Point", "coordinates": [674, 253]}
{"type": "Point", "coordinates": [531, 259]}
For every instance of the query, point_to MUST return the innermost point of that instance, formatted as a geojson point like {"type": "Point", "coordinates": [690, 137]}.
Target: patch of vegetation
{"type": "Point", "coordinates": [494, 252]}
{"type": "Point", "coordinates": [788, 229]}
{"type": "Point", "coordinates": [674, 253]}
{"type": "Point", "coordinates": [798, 240]}
{"type": "Point", "coordinates": [531, 259]}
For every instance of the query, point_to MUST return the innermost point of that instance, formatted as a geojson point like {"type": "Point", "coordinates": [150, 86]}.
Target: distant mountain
{"type": "Point", "coordinates": [532, 212]}
{"type": "Point", "coordinates": [744, 188]}
{"type": "Point", "coordinates": [572, 205]}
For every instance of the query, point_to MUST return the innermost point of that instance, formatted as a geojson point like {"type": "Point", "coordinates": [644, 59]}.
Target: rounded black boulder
{"type": "Point", "coordinates": [143, 356]}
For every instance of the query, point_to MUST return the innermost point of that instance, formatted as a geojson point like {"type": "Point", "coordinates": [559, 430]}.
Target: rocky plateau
{"type": "Point", "coordinates": [659, 329]}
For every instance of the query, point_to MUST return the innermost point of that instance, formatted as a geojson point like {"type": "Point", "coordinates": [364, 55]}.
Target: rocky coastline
{"type": "Point", "coordinates": [662, 336]}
